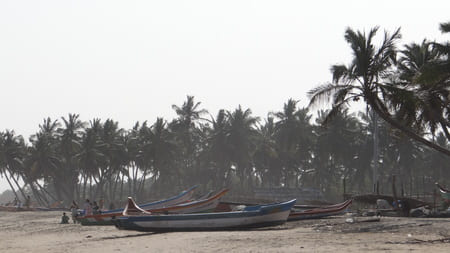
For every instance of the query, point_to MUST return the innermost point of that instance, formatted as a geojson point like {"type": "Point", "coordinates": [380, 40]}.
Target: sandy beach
{"type": "Point", "coordinates": [41, 232]}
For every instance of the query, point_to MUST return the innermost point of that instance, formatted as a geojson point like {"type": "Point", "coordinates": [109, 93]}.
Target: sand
{"type": "Point", "coordinates": [40, 232]}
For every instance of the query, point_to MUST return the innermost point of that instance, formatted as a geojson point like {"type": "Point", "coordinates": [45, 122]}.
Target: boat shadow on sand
{"type": "Point", "coordinates": [126, 236]}
{"type": "Point", "coordinates": [209, 231]}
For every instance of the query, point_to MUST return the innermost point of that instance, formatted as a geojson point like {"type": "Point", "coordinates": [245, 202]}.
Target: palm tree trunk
{"type": "Point", "coordinates": [116, 182]}
{"type": "Point", "coordinates": [385, 116]}
{"type": "Point", "coordinates": [90, 187]}
{"type": "Point", "coordinates": [20, 188]}
{"type": "Point", "coordinates": [141, 186]}
{"type": "Point", "coordinates": [84, 188]}
{"type": "Point", "coordinates": [11, 186]}
{"type": "Point", "coordinates": [47, 193]}
{"type": "Point", "coordinates": [41, 199]}
{"type": "Point", "coordinates": [376, 151]}
{"type": "Point", "coordinates": [121, 187]}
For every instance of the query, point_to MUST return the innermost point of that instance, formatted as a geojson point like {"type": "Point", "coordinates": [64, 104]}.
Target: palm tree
{"type": "Point", "coordinates": [419, 101]}
{"type": "Point", "coordinates": [218, 149]}
{"type": "Point", "coordinates": [414, 57]}
{"type": "Point", "coordinates": [422, 97]}
{"type": "Point", "coordinates": [70, 136]}
{"type": "Point", "coordinates": [113, 148]}
{"type": "Point", "coordinates": [241, 138]}
{"type": "Point", "coordinates": [188, 135]}
{"type": "Point", "coordinates": [363, 78]}
{"type": "Point", "coordinates": [158, 154]}
{"type": "Point", "coordinates": [91, 157]}
{"type": "Point", "coordinates": [266, 159]}
{"type": "Point", "coordinates": [12, 155]}
{"type": "Point", "coordinates": [45, 159]}
{"type": "Point", "coordinates": [293, 134]}
{"type": "Point", "coordinates": [189, 112]}
{"type": "Point", "coordinates": [336, 152]}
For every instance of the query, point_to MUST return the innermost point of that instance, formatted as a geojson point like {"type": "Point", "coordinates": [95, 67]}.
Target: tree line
{"type": "Point", "coordinates": [71, 159]}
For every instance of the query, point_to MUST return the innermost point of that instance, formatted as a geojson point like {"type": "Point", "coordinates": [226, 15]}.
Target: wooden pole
{"type": "Point", "coordinates": [434, 199]}
{"type": "Point", "coordinates": [394, 193]}
{"type": "Point", "coordinates": [343, 183]}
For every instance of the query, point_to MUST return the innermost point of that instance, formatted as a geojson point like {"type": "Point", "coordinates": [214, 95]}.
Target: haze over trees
{"type": "Point", "coordinates": [408, 88]}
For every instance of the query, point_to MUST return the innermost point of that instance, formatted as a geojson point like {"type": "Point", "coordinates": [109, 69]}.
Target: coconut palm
{"type": "Point", "coordinates": [363, 79]}
{"type": "Point", "coordinates": [12, 155]}
{"type": "Point", "coordinates": [188, 134]}
{"type": "Point", "coordinates": [218, 149]}
{"type": "Point", "coordinates": [336, 151]}
{"type": "Point", "coordinates": [266, 159]}
{"type": "Point", "coordinates": [241, 138]}
{"type": "Point", "coordinates": [161, 148]}
{"type": "Point", "coordinates": [419, 101]}
{"type": "Point", "coordinates": [91, 157]}
{"type": "Point", "coordinates": [113, 148]}
{"type": "Point", "coordinates": [424, 100]}
{"type": "Point", "coordinates": [293, 135]}
{"type": "Point", "coordinates": [414, 57]}
{"type": "Point", "coordinates": [45, 159]}
{"type": "Point", "coordinates": [70, 136]}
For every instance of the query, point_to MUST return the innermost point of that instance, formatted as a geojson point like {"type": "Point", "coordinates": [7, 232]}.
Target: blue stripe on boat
{"type": "Point", "coordinates": [256, 211]}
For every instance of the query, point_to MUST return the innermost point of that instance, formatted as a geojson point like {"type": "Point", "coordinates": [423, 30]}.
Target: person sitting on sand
{"type": "Point", "coordinates": [65, 219]}
{"type": "Point", "coordinates": [101, 202]}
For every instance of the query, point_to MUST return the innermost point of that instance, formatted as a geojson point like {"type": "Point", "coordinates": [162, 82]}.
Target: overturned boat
{"type": "Point", "coordinates": [321, 212]}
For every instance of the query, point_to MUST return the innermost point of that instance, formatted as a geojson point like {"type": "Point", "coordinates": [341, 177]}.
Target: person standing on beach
{"type": "Point", "coordinates": [95, 208]}
{"type": "Point", "coordinates": [87, 207]}
{"type": "Point", "coordinates": [28, 202]}
{"type": "Point", "coordinates": [100, 204]}
{"type": "Point", "coordinates": [74, 210]}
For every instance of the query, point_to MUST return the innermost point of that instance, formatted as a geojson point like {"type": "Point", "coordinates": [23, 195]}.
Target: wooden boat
{"type": "Point", "coordinates": [16, 208]}
{"type": "Point", "coordinates": [202, 205]}
{"type": "Point", "coordinates": [105, 216]}
{"type": "Point", "coordinates": [250, 217]}
{"type": "Point", "coordinates": [319, 212]}
{"type": "Point", "coordinates": [445, 194]}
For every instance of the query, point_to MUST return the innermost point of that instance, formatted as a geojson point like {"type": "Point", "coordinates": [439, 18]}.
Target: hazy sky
{"type": "Point", "coordinates": [131, 60]}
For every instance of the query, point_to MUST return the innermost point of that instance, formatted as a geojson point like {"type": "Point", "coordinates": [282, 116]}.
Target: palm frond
{"type": "Point", "coordinates": [339, 72]}
{"type": "Point", "coordinates": [324, 93]}
{"type": "Point", "coordinates": [445, 27]}
{"type": "Point", "coordinates": [335, 110]}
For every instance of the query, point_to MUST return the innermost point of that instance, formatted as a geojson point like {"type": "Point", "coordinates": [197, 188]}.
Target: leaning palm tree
{"type": "Point", "coordinates": [45, 158]}
{"type": "Point", "coordinates": [432, 86]}
{"type": "Point", "coordinates": [421, 95]}
{"type": "Point", "coordinates": [363, 79]}
{"type": "Point", "coordinates": [414, 57]}
{"type": "Point", "coordinates": [12, 154]}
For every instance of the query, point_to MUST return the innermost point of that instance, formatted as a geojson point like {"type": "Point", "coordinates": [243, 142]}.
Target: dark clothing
{"type": "Point", "coordinates": [65, 219]}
